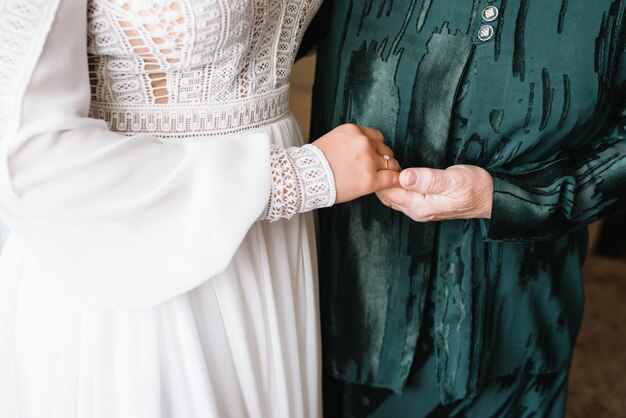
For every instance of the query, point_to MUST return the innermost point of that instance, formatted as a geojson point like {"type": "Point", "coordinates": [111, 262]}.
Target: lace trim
{"type": "Point", "coordinates": [285, 196]}
{"type": "Point", "coordinates": [320, 189]}
{"type": "Point", "coordinates": [301, 182]}
{"type": "Point", "coordinates": [166, 121]}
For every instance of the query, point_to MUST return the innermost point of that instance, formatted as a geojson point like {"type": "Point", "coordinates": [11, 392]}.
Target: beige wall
{"type": "Point", "coordinates": [301, 83]}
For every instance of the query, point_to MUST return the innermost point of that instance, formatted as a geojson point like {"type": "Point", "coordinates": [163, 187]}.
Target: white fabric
{"type": "Point", "coordinates": [137, 281]}
{"type": "Point", "coordinates": [4, 234]}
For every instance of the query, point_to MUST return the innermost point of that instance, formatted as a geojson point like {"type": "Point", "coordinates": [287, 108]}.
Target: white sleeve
{"type": "Point", "coordinates": [4, 233]}
{"type": "Point", "coordinates": [121, 221]}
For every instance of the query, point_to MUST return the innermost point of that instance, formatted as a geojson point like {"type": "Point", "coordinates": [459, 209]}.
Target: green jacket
{"type": "Point", "coordinates": [538, 103]}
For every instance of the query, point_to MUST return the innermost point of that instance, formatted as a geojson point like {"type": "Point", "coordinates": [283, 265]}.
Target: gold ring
{"type": "Point", "coordinates": [386, 158]}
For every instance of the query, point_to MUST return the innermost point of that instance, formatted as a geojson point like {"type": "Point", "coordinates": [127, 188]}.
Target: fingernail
{"type": "Point", "coordinates": [408, 178]}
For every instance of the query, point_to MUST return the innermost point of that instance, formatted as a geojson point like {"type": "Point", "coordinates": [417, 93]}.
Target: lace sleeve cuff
{"type": "Point", "coordinates": [301, 181]}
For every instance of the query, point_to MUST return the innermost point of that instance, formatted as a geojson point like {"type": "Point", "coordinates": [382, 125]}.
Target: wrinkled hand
{"type": "Point", "coordinates": [459, 192]}
{"type": "Point", "coordinates": [355, 155]}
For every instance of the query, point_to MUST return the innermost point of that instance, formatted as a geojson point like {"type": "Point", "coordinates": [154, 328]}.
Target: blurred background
{"type": "Point", "coordinates": [597, 385]}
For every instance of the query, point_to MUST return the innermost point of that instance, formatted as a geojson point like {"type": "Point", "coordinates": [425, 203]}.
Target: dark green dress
{"type": "Point", "coordinates": [535, 96]}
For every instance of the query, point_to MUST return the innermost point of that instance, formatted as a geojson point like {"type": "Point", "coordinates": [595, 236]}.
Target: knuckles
{"type": "Point", "coordinates": [350, 128]}
{"type": "Point", "coordinates": [362, 142]}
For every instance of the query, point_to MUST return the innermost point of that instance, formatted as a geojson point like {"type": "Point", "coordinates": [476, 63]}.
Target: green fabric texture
{"type": "Point", "coordinates": [521, 396]}
{"type": "Point", "coordinates": [540, 106]}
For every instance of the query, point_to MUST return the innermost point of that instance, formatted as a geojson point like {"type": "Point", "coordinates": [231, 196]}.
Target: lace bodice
{"type": "Point", "coordinates": [213, 66]}
{"type": "Point", "coordinates": [192, 69]}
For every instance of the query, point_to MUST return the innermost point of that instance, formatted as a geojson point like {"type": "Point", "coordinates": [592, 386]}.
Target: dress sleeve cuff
{"type": "Point", "coordinates": [318, 178]}
{"type": "Point", "coordinates": [301, 182]}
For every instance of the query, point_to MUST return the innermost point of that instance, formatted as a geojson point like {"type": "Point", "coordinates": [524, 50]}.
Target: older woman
{"type": "Point", "coordinates": [465, 298]}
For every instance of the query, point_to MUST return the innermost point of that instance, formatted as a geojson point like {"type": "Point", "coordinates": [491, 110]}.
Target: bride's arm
{"type": "Point", "coordinates": [121, 221]}
{"type": "Point", "coordinates": [130, 221]}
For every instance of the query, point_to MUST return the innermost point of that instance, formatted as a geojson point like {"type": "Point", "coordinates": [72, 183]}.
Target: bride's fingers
{"type": "Point", "coordinates": [397, 196]}
{"type": "Point", "coordinates": [387, 179]}
{"type": "Point", "coordinates": [372, 133]}
{"type": "Point", "coordinates": [387, 164]}
{"type": "Point", "coordinates": [382, 149]}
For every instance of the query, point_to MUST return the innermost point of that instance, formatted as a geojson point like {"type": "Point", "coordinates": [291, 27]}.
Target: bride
{"type": "Point", "coordinates": [161, 261]}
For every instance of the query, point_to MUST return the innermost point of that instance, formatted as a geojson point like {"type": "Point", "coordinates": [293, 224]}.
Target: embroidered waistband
{"type": "Point", "coordinates": [195, 121]}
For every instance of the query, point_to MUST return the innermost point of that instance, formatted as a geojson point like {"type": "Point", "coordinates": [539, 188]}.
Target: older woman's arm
{"type": "Point", "coordinates": [574, 189]}
{"type": "Point", "coordinates": [543, 201]}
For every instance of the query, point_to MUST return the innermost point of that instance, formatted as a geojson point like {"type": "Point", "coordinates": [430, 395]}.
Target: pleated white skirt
{"type": "Point", "coordinates": [243, 344]}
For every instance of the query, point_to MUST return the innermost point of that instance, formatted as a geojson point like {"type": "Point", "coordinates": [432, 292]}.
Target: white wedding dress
{"type": "Point", "coordinates": [143, 140]}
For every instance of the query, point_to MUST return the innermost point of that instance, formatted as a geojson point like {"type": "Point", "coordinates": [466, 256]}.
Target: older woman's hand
{"type": "Point", "coordinates": [458, 192]}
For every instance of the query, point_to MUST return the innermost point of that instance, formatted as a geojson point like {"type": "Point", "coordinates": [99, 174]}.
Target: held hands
{"type": "Point", "coordinates": [355, 155]}
{"type": "Point", "coordinates": [459, 192]}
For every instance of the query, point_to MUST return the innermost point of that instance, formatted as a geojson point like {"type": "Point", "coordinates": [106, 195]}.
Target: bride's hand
{"type": "Point", "coordinates": [355, 155]}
